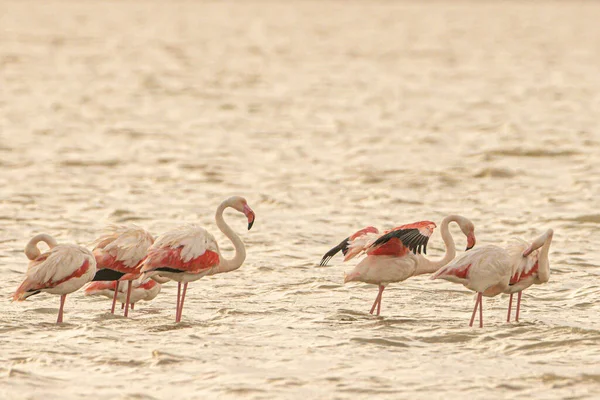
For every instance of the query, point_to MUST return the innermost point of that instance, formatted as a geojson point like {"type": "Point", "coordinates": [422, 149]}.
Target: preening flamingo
{"type": "Point", "coordinates": [63, 269]}
{"type": "Point", "coordinates": [119, 252]}
{"type": "Point", "coordinates": [139, 291]}
{"type": "Point", "coordinates": [395, 255]}
{"type": "Point", "coordinates": [188, 253]}
{"type": "Point", "coordinates": [533, 267]}
{"type": "Point", "coordinates": [489, 270]}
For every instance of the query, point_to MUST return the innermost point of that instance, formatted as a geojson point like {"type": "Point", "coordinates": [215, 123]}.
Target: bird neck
{"type": "Point", "coordinates": [240, 250]}
{"type": "Point", "coordinates": [543, 261]}
{"type": "Point", "coordinates": [31, 250]}
{"type": "Point", "coordinates": [426, 266]}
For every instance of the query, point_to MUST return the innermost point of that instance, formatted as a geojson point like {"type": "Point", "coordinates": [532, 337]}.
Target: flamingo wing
{"type": "Point", "coordinates": [353, 244]}
{"type": "Point", "coordinates": [413, 237]}
{"type": "Point", "coordinates": [121, 248]}
{"type": "Point", "coordinates": [56, 266]}
{"type": "Point", "coordinates": [187, 249]}
{"type": "Point", "coordinates": [522, 267]}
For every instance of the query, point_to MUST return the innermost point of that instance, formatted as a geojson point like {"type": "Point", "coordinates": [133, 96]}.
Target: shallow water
{"type": "Point", "coordinates": [326, 116]}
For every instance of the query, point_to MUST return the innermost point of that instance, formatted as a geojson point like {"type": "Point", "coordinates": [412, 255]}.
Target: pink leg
{"type": "Point", "coordinates": [178, 300]}
{"type": "Point", "coordinates": [474, 310]}
{"type": "Point", "coordinates": [509, 307]}
{"type": "Point", "coordinates": [132, 304]}
{"type": "Point", "coordinates": [182, 300]}
{"type": "Point", "coordinates": [518, 305]}
{"type": "Point", "coordinates": [377, 300]}
{"type": "Point", "coordinates": [60, 310]}
{"type": "Point", "coordinates": [480, 310]}
{"type": "Point", "coordinates": [127, 299]}
{"type": "Point", "coordinates": [122, 306]}
{"type": "Point", "coordinates": [112, 309]}
{"type": "Point", "coordinates": [381, 288]}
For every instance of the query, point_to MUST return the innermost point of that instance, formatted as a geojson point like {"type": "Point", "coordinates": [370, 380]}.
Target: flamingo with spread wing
{"type": "Point", "coordinates": [396, 255]}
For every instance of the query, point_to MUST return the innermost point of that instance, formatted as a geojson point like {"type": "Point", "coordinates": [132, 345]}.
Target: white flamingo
{"type": "Point", "coordinates": [63, 269]}
{"type": "Point", "coordinates": [188, 253]}
{"type": "Point", "coordinates": [488, 270]}
{"type": "Point", "coordinates": [119, 252]}
{"type": "Point", "coordinates": [395, 255]}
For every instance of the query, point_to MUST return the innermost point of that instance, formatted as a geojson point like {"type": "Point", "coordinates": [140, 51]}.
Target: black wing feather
{"type": "Point", "coordinates": [106, 274]}
{"type": "Point", "coordinates": [411, 238]}
{"type": "Point", "coordinates": [343, 247]}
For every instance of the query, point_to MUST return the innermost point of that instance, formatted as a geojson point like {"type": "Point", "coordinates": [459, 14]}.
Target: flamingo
{"type": "Point", "coordinates": [63, 269]}
{"type": "Point", "coordinates": [489, 270]}
{"type": "Point", "coordinates": [140, 291]}
{"type": "Point", "coordinates": [188, 253]}
{"type": "Point", "coordinates": [532, 268]}
{"type": "Point", "coordinates": [119, 252]}
{"type": "Point", "coordinates": [389, 258]}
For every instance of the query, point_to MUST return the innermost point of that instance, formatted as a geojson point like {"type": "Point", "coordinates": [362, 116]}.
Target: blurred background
{"type": "Point", "coordinates": [327, 116]}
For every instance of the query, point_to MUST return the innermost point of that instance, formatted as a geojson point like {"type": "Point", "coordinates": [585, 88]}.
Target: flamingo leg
{"type": "Point", "coordinates": [60, 310]}
{"type": "Point", "coordinates": [381, 288]}
{"type": "Point", "coordinates": [114, 303]}
{"type": "Point", "coordinates": [480, 310]}
{"type": "Point", "coordinates": [377, 300]}
{"type": "Point", "coordinates": [182, 300]}
{"type": "Point", "coordinates": [518, 305]}
{"type": "Point", "coordinates": [178, 300]}
{"type": "Point", "coordinates": [128, 297]}
{"type": "Point", "coordinates": [509, 307]}
{"type": "Point", "coordinates": [122, 306]}
{"type": "Point", "coordinates": [475, 310]}
{"type": "Point", "coordinates": [132, 304]}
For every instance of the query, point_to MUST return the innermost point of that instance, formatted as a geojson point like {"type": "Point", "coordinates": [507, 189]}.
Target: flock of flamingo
{"type": "Point", "coordinates": [128, 265]}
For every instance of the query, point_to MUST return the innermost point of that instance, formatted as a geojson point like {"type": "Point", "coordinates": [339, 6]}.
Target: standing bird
{"type": "Point", "coordinates": [119, 252]}
{"type": "Point", "coordinates": [188, 253]}
{"type": "Point", "coordinates": [532, 266]}
{"type": "Point", "coordinates": [139, 292]}
{"type": "Point", "coordinates": [389, 258]}
{"type": "Point", "coordinates": [488, 271]}
{"type": "Point", "coordinates": [63, 269]}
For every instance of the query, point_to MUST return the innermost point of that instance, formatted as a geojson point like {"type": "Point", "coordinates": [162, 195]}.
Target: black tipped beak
{"type": "Point", "coordinates": [469, 248]}
{"type": "Point", "coordinates": [250, 224]}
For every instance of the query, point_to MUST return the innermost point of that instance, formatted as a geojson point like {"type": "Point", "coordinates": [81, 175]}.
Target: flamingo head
{"type": "Point", "coordinates": [539, 242]}
{"type": "Point", "coordinates": [467, 227]}
{"type": "Point", "coordinates": [241, 205]}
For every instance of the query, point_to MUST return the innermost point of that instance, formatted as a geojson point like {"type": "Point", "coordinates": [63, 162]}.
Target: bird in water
{"type": "Point", "coordinates": [119, 252]}
{"type": "Point", "coordinates": [532, 268]}
{"type": "Point", "coordinates": [395, 255]}
{"type": "Point", "coordinates": [190, 252]}
{"type": "Point", "coordinates": [489, 270]}
{"type": "Point", "coordinates": [145, 291]}
{"type": "Point", "coordinates": [63, 269]}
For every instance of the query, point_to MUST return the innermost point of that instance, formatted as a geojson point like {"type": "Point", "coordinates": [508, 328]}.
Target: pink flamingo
{"type": "Point", "coordinates": [139, 292]}
{"type": "Point", "coordinates": [389, 258]}
{"type": "Point", "coordinates": [119, 252]}
{"type": "Point", "coordinates": [532, 268]}
{"type": "Point", "coordinates": [188, 253]}
{"type": "Point", "coordinates": [488, 271]}
{"type": "Point", "coordinates": [63, 269]}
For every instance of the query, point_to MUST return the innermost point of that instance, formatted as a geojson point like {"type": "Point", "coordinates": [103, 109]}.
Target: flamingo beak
{"type": "Point", "coordinates": [470, 241]}
{"type": "Point", "coordinates": [250, 215]}
{"type": "Point", "coordinates": [528, 251]}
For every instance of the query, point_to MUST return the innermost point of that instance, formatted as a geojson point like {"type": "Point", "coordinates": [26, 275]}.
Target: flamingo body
{"type": "Point", "coordinates": [140, 292]}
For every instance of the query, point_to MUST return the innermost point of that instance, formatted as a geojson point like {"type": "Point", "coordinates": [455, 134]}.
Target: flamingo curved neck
{"type": "Point", "coordinates": [31, 250]}
{"type": "Point", "coordinates": [429, 266]}
{"type": "Point", "coordinates": [544, 262]}
{"type": "Point", "coordinates": [240, 249]}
